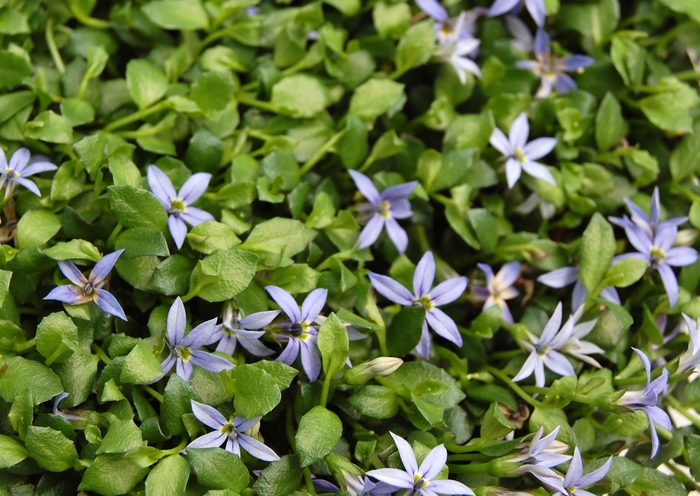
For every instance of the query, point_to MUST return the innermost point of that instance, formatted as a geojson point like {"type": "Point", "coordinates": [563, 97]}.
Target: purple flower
{"type": "Point", "coordinates": [550, 69]}
{"type": "Point", "coordinates": [363, 486]}
{"type": "Point", "coordinates": [421, 480]}
{"type": "Point", "coordinates": [449, 28]}
{"type": "Point", "coordinates": [244, 330]}
{"type": "Point", "coordinates": [541, 455]}
{"type": "Point", "coordinates": [57, 411]}
{"type": "Point", "coordinates": [575, 480]}
{"type": "Point", "coordinates": [383, 209]}
{"type": "Point", "coordinates": [89, 289]}
{"type": "Point", "coordinates": [654, 242]}
{"type": "Point", "coordinates": [17, 172]}
{"type": "Point", "coordinates": [646, 401]}
{"type": "Point", "coordinates": [178, 204]}
{"type": "Point", "coordinates": [231, 432]}
{"type": "Point", "coordinates": [499, 288]}
{"type": "Point", "coordinates": [184, 349]}
{"type": "Point", "coordinates": [546, 350]}
{"type": "Point", "coordinates": [300, 332]}
{"type": "Point", "coordinates": [521, 155]}
{"type": "Point", "coordinates": [535, 7]}
{"type": "Point", "coordinates": [445, 292]}
{"type": "Point", "coordinates": [569, 275]}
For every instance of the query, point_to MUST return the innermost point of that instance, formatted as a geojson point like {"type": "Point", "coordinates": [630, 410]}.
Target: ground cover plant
{"type": "Point", "coordinates": [366, 248]}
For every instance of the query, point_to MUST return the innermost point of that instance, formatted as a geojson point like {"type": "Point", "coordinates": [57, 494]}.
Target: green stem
{"type": "Point", "coordinates": [693, 417]}
{"type": "Point", "coordinates": [100, 353]}
{"type": "Point", "coordinates": [113, 236]}
{"type": "Point", "coordinates": [53, 49]}
{"type": "Point", "coordinates": [459, 448]}
{"type": "Point", "coordinates": [176, 449]}
{"type": "Point", "coordinates": [57, 353]}
{"type": "Point", "coordinates": [325, 390]}
{"type": "Point", "coordinates": [84, 18]}
{"type": "Point", "coordinates": [516, 389]}
{"type": "Point", "coordinates": [467, 457]}
{"type": "Point", "coordinates": [289, 428]}
{"type": "Point", "coordinates": [321, 152]}
{"type": "Point", "coordinates": [26, 346]}
{"type": "Point", "coordinates": [472, 468]}
{"type": "Point", "coordinates": [155, 394]}
{"type": "Point", "coordinates": [193, 292]}
{"type": "Point", "coordinates": [687, 75]}
{"type": "Point", "coordinates": [309, 482]}
{"type": "Point", "coordinates": [136, 116]}
{"type": "Point", "coordinates": [252, 102]}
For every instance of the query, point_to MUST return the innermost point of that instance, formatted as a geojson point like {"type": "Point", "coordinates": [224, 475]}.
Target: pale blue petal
{"type": "Point", "coordinates": [448, 291]}
{"type": "Point", "coordinates": [27, 184]}
{"type": "Point", "coordinates": [450, 487]}
{"type": "Point", "coordinates": [500, 142]}
{"type": "Point", "coordinates": [391, 289]}
{"type": "Point", "coordinates": [366, 187]}
{"type": "Point", "coordinates": [161, 186]}
{"type": "Point", "coordinates": [109, 304]}
{"type": "Point", "coordinates": [183, 370]}
{"type": "Point", "coordinates": [208, 415]}
{"type": "Point", "coordinates": [211, 440]}
{"type": "Point", "coordinates": [670, 283]}
{"type": "Point", "coordinates": [433, 9]}
{"type": "Point", "coordinates": [433, 463]}
{"type": "Point", "coordinates": [290, 353]}
{"type": "Point", "coordinates": [257, 449]}
{"type": "Point", "coordinates": [576, 62]}
{"type": "Point", "coordinates": [502, 6]}
{"type": "Point", "coordinates": [397, 235]}
{"type": "Point", "coordinates": [371, 231]}
{"type": "Point", "coordinates": [286, 302]}
{"type": "Point", "coordinates": [38, 168]}
{"type": "Point", "coordinates": [559, 278]}
{"type": "Point", "coordinates": [178, 230]}
{"type": "Point", "coordinates": [310, 361]}
{"type": "Point", "coordinates": [537, 11]}
{"type": "Point", "coordinates": [575, 472]}
{"type": "Point", "coordinates": [596, 475]}
{"type": "Point", "coordinates": [558, 363]}
{"type": "Point", "coordinates": [177, 320]}
{"type": "Point", "coordinates": [528, 367]}
{"type": "Point", "coordinates": [194, 187]}
{"type": "Point", "coordinates": [443, 325]}
{"type": "Point", "coordinates": [201, 335]}
{"type": "Point", "coordinates": [564, 84]}
{"type": "Point", "coordinates": [519, 131]}
{"type": "Point", "coordinates": [423, 348]}
{"type": "Point", "coordinates": [406, 453]}
{"type": "Point", "coordinates": [72, 273]}
{"type": "Point", "coordinates": [424, 275]}
{"type": "Point", "coordinates": [66, 294]}
{"type": "Point", "coordinates": [542, 43]}
{"type": "Point", "coordinates": [195, 216]}
{"type": "Point", "coordinates": [258, 320]}
{"type": "Point", "coordinates": [104, 266]}
{"type": "Point", "coordinates": [210, 362]}
{"type": "Point", "coordinates": [539, 171]}
{"type": "Point", "coordinates": [19, 159]}
{"type": "Point", "coordinates": [553, 325]}
{"type": "Point", "coordinates": [508, 274]}
{"type": "Point", "coordinates": [313, 304]}
{"type": "Point", "coordinates": [681, 256]}
{"type": "Point", "coordinates": [540, 147]}
{"type": "Point", "coordinates": [398, 192]}
{"type": "Point", "coordinates": [513, 171]}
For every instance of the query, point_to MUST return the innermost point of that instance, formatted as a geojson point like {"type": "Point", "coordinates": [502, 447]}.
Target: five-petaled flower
{"type": "Point", "coordinates": [521, 155]}
{"type": "Point", "coordinates": [647, 399]}
{"type": "Point", "coordinates": [419, 480]}
{"type": "Point", "coordinates": [17, 172]}
{"type": "Point", "coordinates": [535, 7]}
{"type": "Point", "coordinates": [86, 289]}
{"type": "Point", "coordinates": [184, 350]}
{"type": "Point", "coordinates": [244, 330]}
{"type": "Point", "coordinates": [654, 242]}
{"type": "Point", "coordinates": [231, 432]}
{"type": "Point", "coordinates": [383, 210]}
{"type": "Point", "coordinates": [552, 70]}
{"type": "Point", "coordinates": [575, 481]}
{"type": "Point", "coordinates": [300, 332]}
{"type": "Point", "coordinates": [445, 292]}
{"type": "Point", "coordinates": [499, 288]}
{"type": "Point", "coordinates": [546, 350]}
{"type": "Point", "coordinates": [540, 455]}
{"type": "Point", "coordinates": [177, 205]}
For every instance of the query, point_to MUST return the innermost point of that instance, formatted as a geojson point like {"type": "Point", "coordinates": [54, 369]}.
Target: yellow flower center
{"type": "Point", "coordinates": [519, 155]}
{"type": "Point", "coordinates": [177, 207]}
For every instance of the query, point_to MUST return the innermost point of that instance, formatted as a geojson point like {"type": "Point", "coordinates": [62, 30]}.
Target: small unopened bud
{"type": "Point", "coordinates": [373, 368]}
{"type": "Point", "coordinates": [686, 237]}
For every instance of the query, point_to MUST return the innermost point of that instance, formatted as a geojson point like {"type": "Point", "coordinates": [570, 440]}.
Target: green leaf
{"type": "Point", "coordinates": [213, 90]}
{"type": "Point", "coordinates": [218, 469]}
{"type": "Point", "coordinates": [91, 151]}
{"type": "Point", "coordinates": [204, 152]}
{"type": "Point", "coordinates": [692, 444]}
{"type": "Point", "coordinates": [391, 20]}
{"type": "Point", "coordinates": [669, 109]}
{"type": "Point", "coordinates": [50, 127]}
{"type": "Point", "coordinates": [416, 46]}
{"type": "Point", "coordinates": [77, 112]}
{"type": "Point", "coordinates": [626, 272]}
{"type": "Point", "coordinates": [281, 477]}
{"type": "Point", "coordinates": [97, 58]}
{"type": "Point", "coordinates": [122, 436]}
{"type": "Point", "coordinates": [281, 373]}
{"type": "Point", "coordinates": [146, 83]}
{"type": "Point", "coordinates": [685, 157]}
{"type": "Point", "coordinates": [376, 97]}
{"type": "Point", "coordinates": [300, 96]}
{"type": "Point", "coordinates": [22, 375]}
{"type": "Point", "coordinates": [495, 424]}
{"type": "Point", "coordinates": [352, 147]}
{"type": "Point", "coordinates": [124, 172]}
{"type": "Point", "coordinates": [279, 236]}
{"type": "Point", "coordinates": [172, 276]}
{"type": "Point", "coordinates": [140, 366]}
{"type": "Point", "coordinates": [689, 7]}
{"type": "Point", "coordinates": [561, 392]}
{"type": "Point", "coordinates": [209, 237]}
{"type": "Point", "coordinates": [177, 14]}
{"type": "Point", "coordinates": [141, 241]}
{"type": "Point", "coordinates": [404, 332]}
{"type": "Point", "coordinates": [176, 402]}
{"type": "Point", "coordinates": [11, 452]}
{"type": "Point", "coordinates": [281, 166]}
{"type": "Point", "coordinates": [169, 477]}
{"type": "Point", "coordinates": [50, 448]}
{"type": "Point", "coordinates": [411, 374]}
{"type": "Point", "coordinates": [136, 207]}
{"type": "Point", "coordinates": [13, 22]}
{"type": "Point", "coordinates": [610, 125]}
{"type": "Point", "coordinates": [376, 401]}
{"type": "Point", "coordinates": [295, 278]}
{"type": "Point", "coordinates": [550, 418]}
{"type": "Point", "coordinates": [36, 227]}
{"type": "Point", "coordinates": [319, 430]}
{"type": "Point", "coordinates": [256, 391]}
{"type": "Point", "coordinates": [51, 333]}
{"type": "Point", "coordinates": [597, 251]}
{"type": "Point", "coordinates": [113, 474]}
{"type": "Point", "coordinates": [14, 70]}
{"type": "Point", "coordinates": [75, 249]}
{"type": "Point", "coordinates": [333, 344]}
{"type": "Point", "coordinates": [235, 268]}
{"type": "Point", "coordinates": [652, 482]}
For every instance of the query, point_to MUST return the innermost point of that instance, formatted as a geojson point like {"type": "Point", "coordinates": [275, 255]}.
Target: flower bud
{"type": "Point", "coordinates": [365, 371]}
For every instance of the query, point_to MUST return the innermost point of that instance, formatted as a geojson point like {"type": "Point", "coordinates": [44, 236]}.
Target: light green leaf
{"type": "Point", "coordinates": [300, 96]}
{"type": "Point", "coordinates": [169, 477]}
{"type": "Point", "coordinates": [319, 430]}
{"type": "Point", "coordinates": [597, 251]}
{"type": "Point", "coordinates": [333, 344]}
{"type": "Point", "coordinates": [146, 83]}
{"type": "Point", "coordinates": [50, 127]}
{"type": "Point", "coordinates": [177, 14]}
{"type": "Point", "coordinates": [11, 452]}
{"type": "Point", "coordinates": [50, 448]}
